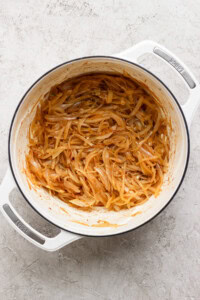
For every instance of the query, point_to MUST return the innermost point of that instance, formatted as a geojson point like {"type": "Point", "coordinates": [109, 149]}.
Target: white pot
{"type": "Point", "coordinates": [75, 223]}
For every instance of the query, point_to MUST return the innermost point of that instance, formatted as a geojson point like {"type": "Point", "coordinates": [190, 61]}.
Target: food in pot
{"type": "Point", "coordinates": [99, 140]}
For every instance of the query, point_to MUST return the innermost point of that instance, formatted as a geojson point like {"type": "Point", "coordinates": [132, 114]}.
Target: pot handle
{"type": "Point", "coordinates": [133, 53]}
{"type": "Point", "coordinates": [16, 221]}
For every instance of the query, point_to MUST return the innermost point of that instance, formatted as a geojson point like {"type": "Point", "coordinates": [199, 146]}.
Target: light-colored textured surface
{"type": "Point", "coordinates": [158, 261]}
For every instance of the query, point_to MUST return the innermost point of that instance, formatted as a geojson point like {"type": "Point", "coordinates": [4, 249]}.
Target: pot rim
{"type": "Point", "coordinates": [66, 63]}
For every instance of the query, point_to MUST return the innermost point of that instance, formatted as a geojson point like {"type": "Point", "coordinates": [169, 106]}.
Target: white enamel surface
{"type": "Point", "coordinates": [52, 208]}
{"type": "Point", "coordinates": [147, 46]}
{"type": "Point", "coordinates": [49, 244]}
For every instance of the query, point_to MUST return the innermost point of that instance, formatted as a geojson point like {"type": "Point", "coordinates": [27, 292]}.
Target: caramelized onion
{"type": "Point", "coordinates": [99, 140]}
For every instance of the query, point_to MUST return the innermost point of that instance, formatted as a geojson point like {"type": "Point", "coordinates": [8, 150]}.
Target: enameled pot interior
{"type": "Point", "coordinates": [83, 222]}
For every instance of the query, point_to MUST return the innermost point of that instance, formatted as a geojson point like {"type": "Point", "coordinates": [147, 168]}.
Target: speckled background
{"type": "Point", "coordinates": [158, 261]}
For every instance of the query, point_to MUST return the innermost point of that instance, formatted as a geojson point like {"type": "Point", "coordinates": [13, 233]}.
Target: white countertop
{"type": "Point", "coordinates": [160, 261]}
